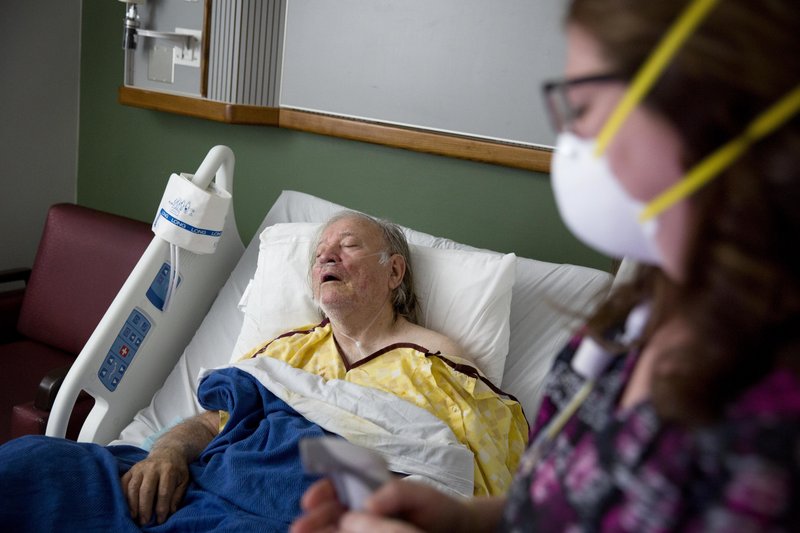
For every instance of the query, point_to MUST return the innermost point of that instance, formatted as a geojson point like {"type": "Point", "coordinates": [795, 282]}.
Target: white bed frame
{"type": "Point", "coordinates": [201, 277]}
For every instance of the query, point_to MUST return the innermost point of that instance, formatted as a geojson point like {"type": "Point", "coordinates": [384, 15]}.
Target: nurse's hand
{"type": "Point", "coordinates": [157, 483]}
{"type": "Point", "coordinates": [321, 509]}
{"type": "Point", "coordinates": [398, 506]}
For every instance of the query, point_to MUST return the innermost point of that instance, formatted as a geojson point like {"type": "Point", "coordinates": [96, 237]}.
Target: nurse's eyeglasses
{"type": "Point", "coordinates": [561, 112]}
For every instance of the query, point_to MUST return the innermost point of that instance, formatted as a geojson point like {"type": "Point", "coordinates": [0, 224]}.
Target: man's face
{"type": "Point", "coordinates": [347, 274]}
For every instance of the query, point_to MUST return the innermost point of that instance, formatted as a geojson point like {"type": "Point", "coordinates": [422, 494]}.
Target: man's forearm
{"type": "Point", "coordinates": [190, 437]}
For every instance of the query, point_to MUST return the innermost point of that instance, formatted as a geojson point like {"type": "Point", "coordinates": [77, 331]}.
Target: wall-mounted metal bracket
{"type": "Point", "coordinates": [188, 50]}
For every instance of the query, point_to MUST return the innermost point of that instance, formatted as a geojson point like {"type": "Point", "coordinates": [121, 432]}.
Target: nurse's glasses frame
{"type": "Point", "coordinates": [559, 109]}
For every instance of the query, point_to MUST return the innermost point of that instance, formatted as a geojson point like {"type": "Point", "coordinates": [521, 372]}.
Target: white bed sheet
{"type": "Point", "coordinates": [539, 328]}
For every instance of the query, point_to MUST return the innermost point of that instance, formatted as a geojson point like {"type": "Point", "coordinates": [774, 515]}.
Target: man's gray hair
{"type": "Point", "coordinates": [404, 300]}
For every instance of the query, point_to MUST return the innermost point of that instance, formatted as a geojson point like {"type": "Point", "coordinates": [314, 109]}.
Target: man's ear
{"type": "Point", "coordinates": [398, 271]}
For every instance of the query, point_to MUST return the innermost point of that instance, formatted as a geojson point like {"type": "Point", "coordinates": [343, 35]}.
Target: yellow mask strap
{"type": "Point", "coordinates": [716, 162]}
{"type": "Point", "coordinates": [683, 27]}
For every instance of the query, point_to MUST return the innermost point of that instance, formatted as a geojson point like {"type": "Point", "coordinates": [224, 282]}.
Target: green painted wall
{"type": "Point", "coordinates": [127, 154]}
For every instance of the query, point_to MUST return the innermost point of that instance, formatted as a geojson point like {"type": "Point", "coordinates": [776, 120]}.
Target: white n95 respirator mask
{"type": "Point", "coordinates": [595, 207]}
{"type": "Point", "coordinates": [592, 202]}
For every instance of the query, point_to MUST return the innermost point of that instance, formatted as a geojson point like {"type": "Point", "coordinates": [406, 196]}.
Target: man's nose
{"type": "Point", "coordinates": [327, 254]}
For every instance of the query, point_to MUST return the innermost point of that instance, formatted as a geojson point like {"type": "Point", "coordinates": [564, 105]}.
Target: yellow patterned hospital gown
{"type": "Point", "coordinates": [484, 419]}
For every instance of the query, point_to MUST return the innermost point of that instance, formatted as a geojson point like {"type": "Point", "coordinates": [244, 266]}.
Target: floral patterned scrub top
{"type": "Point", "coordinates": [630, 471]}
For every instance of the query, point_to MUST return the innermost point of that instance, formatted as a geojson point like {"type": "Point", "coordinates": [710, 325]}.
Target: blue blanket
{"type": "Point", "coordinates": [248, 478]}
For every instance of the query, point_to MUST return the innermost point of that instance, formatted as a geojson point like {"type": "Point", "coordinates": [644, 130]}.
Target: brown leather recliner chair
{"type": "Point", "coordinates": [82, 260]}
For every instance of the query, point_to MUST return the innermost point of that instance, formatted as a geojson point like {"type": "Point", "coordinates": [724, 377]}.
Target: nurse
{"type": "Point", "coordinates": [679, 147]}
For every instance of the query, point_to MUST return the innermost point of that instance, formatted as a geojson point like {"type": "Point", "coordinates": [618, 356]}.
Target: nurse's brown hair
{"type": "Point", "coordinates": [741, 295]}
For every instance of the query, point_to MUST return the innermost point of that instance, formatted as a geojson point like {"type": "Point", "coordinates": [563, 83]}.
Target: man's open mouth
{"type": "Point", "coordinates": [329, 277]}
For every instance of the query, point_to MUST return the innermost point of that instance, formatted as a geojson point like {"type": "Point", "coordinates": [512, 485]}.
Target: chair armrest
{"type": "Point", "coordinates": [15, 274]}
{"type": "Point", "coordinates": [48, 388]}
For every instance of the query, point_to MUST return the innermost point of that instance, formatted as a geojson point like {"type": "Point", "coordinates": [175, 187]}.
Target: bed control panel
{"type": "Point", "coordinates": [124, 349]}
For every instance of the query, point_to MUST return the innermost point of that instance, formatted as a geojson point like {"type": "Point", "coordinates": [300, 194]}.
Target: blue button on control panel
{"type": "Point", "coordinates": [157, 291]}
{"type": "Point", "coordinates": [124, 349]}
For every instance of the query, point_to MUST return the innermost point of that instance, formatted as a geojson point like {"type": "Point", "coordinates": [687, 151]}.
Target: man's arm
{"type": "Point", "coordinates": [161, 479]}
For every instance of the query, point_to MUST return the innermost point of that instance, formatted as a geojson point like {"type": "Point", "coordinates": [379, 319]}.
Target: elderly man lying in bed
{"type": "Point", "coordinates": [367, 372]}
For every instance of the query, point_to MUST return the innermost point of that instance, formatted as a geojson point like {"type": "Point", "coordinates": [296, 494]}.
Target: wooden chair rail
{"type": "Point", "coordinates": [472, 148]}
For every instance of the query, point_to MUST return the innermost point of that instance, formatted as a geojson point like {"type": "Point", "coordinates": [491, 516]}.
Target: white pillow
{"type": "Point", "coordinates": [278, 297]}
{"type": "Point", "coordinates": [465, 295]}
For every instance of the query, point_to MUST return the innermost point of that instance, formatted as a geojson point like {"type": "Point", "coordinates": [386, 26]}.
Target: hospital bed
{"type": "Point", "coordinates": [142, 363]}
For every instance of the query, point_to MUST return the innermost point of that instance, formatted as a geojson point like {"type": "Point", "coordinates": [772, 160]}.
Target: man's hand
{"type": "Point", "coordinates": [159, 482]}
